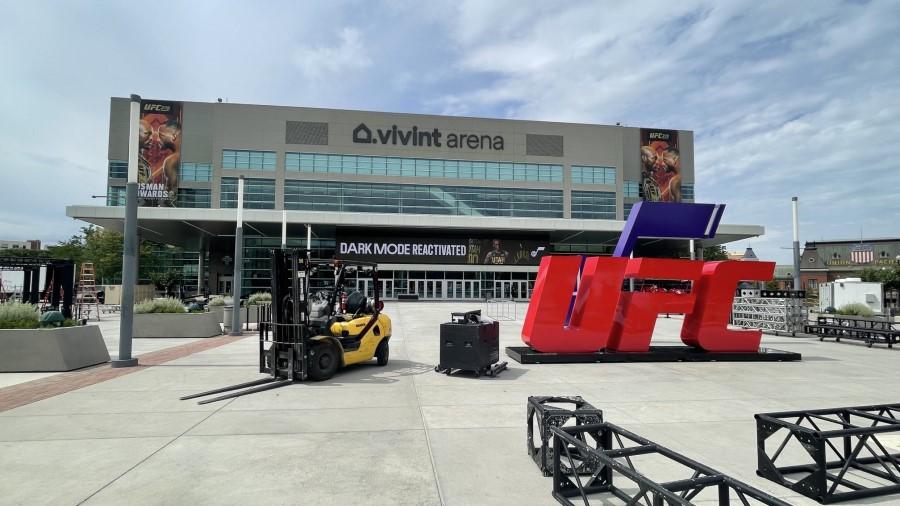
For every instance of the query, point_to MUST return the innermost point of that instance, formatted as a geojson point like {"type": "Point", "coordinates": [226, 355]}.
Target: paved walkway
{"type": "Point", "coordinates": [400, 434]}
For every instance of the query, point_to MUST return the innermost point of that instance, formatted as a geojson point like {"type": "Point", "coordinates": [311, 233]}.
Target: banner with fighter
{"type": "Point", "coordinates": [660, 166]}
{"type": "Point", "coordinates": [159, 162]}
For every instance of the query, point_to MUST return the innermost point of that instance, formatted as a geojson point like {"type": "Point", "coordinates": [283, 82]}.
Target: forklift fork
{"type": "Point", "coordinates": [251, 387]}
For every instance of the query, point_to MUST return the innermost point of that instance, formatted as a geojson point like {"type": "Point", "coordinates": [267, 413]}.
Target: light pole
{"type": "Point", "coordinates": [238, 263]}
{"type": "Point", "coordinates": [796, 218]}
{"type": "Point", "coordinates": [129, 253]}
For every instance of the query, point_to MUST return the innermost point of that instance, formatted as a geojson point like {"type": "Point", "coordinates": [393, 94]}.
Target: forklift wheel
{"type": "Point", "coordinates": [323, 361]}
{"type": "Point", "coordinates": [382, 353]}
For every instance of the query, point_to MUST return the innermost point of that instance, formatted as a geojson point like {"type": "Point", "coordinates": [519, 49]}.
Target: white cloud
{"type": "Point", "coordinates": [323, 61]}
{"type": "Point", "coordinates": [784, 98]}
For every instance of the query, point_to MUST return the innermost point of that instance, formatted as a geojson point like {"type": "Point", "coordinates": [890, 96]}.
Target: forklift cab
{"type": "Point", "coordinates": [330, 325]}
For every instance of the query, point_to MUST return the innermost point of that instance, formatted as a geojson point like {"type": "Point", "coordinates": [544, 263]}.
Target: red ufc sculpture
{"type": "Point", "coordinates": [637, 312]}
{"type": "Point", "coordinates": [578, 306]}
{"type": "Point", "coordinates": [568, 315]}
{"type": "Point", "coordinates": [707, 326]}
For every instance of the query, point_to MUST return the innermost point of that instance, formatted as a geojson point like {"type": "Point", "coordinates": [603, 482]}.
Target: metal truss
{"type": "Point", "coordinates": [594, 445]}
{"type": "Point", "coordinates": [546, 412]}
{"type": "Point", "coordinates": [839, 452]}
{"type": "Point", "coordinates": [777, 314]}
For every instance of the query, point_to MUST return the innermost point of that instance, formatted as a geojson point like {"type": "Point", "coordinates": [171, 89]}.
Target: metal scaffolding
{"type": "Point", "coordinates": [775, 314]}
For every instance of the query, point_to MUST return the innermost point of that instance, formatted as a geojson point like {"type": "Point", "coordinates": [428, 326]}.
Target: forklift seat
{"type": "Point", "coordinates": [356, 302]}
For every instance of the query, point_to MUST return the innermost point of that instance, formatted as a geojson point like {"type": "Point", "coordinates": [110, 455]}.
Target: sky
{"type": "Point", "coordinates": [784, 98]}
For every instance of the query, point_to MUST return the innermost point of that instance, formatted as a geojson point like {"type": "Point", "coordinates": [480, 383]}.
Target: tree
{"type": "Point", "coordinates": [716, 252]}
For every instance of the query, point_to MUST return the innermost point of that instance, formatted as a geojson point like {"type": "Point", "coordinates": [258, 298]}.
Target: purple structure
{"type": "Point", "coordinates": [668, 220]}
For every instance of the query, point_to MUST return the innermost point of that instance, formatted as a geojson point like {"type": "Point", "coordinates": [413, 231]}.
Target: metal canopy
{"type": "Point", "coordinates": [185, 226]}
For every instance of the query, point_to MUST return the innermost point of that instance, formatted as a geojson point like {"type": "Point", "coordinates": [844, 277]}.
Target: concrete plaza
{"type": "Point", "coordinates": [400, 434]}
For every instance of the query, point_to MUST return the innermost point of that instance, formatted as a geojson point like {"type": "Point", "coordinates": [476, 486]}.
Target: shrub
{"type": "Point", "coordinates": [217, 300]}
{"type": "Point", "coordinates": [259, 298]}
{"type": "Point", "coordinates": [52, 319]}
{"type": "Point", "coordinates": [166, 305]}
{"type": "Point", "coordinates": [855, 309]}
{"type": "Point", "coordinates": [16, 315]}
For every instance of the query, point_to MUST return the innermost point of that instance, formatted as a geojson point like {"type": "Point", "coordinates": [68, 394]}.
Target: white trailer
{"type": "Point", "coordinates": [846, 291]}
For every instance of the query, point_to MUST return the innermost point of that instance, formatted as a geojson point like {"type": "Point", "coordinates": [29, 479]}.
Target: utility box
{"type": "Point", "coordinates": [846, 291]}
{"type": "Point", "coordinates": [470, 342]}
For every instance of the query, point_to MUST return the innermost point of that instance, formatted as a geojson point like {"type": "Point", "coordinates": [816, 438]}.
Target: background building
{"type": "Point", "coordinates": [824, 261]}
{"type": "Point", "coordinates": [450, 207]}
{"type": "Point", "coordinates": [31, 244]}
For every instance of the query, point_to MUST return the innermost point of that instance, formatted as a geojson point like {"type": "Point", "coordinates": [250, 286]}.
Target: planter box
{"type": "Point", "coordinates": [251, 316]}
{"type": "Point", "coordinates": [52, 349]}
{"type": "Point", "coordinates": [177, 325]}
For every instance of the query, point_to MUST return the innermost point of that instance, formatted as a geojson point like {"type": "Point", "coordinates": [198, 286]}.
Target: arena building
{"type": "Point", "coordinates": [450, 207]}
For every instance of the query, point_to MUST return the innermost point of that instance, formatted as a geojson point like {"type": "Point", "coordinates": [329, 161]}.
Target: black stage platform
{"type": "Point", "coordinates": [526, 355]}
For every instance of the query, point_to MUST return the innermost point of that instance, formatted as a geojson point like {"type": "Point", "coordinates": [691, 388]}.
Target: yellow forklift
{"type": "Point", "coordinates": [316, 324]}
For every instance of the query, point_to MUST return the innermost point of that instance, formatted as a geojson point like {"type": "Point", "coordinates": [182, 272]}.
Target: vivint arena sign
{"type": "Point", "coordinates": [578, 306]}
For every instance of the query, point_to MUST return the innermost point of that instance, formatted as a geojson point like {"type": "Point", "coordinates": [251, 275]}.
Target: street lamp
{"type": "Point", "coordinates": [129, 256]}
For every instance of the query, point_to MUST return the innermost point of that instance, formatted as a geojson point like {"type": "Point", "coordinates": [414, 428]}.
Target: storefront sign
{"type": "Point", "coordinates": [440, 250]}
{"type": "Point", "coordinates": [424, 137]}
{"type": "Point", "coordinates": [159, 162]}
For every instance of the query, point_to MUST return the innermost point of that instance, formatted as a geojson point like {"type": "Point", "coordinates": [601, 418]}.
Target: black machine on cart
{"type": "Point", "coordinates": [470, 342]}
{"type": "Point", "coordinates": [316, 325]}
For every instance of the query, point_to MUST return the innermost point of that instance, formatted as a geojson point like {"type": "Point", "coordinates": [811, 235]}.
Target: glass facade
{"type": "Point", "coordinates": [427, 284]}
{"type": "Point", "coordinates": [249, 160]}
{"type": "Point", "coordinates": [201, 172]}
{"type": "Point", "coordinates": [258, 193]}
{"type": "Point", "coordinates": [687, 191]}
{"type": "Point", "coordinates": [594, 205]}
{"type": "Point", "coordinates": [422, 167]}
{"type": "Point", "coordinates": [583, 174]}
{"type": "Point", "coordinates": [115, 196]}
{"type": "Point", "coordinates": [421, 199]}
{"type": "Point", "coordinates": [193, 197]}
{"type": "Point", "coordinates": [118, 169]}
{"type": "Point", "coordinates": [626, 209]}
{"type": "Point", "coordinates": [631, 189]}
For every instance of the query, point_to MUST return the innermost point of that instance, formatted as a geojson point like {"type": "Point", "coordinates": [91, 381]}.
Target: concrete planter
{"type": "Point", "coordinates": [249, 314]}
{"type": "Point", "coordinates": [51, 349]}
{"type": "Point", "coordinates": [177, 325]}
{"type": "Point", "coordinates": [215, 309]}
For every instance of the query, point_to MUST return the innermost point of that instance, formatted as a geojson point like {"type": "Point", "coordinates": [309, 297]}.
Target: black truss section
{"type": "Point", "coordinates": [837, 440]}
{"type": "Point", "coordinates": [611, 451]}
{"type": "Point", "coordinates": [527, 355]}
{"type": "Point", "coordinates": [546, 412]}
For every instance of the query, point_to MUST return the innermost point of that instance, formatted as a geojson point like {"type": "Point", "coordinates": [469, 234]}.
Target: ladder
{"type": "Point", "coordinates": [86, 296]}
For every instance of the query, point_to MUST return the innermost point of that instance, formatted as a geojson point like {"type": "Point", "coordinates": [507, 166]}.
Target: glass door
{"type": "Point", "coordinates": [387, 288]}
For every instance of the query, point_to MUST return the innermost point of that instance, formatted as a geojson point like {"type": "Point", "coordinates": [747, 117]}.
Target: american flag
{"type": "Point", "coordinates": [862, 254]}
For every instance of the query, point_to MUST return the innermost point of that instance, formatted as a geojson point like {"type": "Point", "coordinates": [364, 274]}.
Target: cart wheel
{"type": "Point", "coordinates": [837, 339]}
{"type": "Point", "coordinates": [477, 374]}
{"type": "Point", "coordinates": [382, 353]}
{"type": "Point", "coordinates": [447, 371]}
{"type": "Point", "coordinates": [821, 339]}
{"type": "Point", "coordinates": [869, 344]}
{"type": "Point", "coordinates": [437, 368]}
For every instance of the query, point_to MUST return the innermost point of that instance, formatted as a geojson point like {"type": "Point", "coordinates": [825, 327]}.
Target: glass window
{"type": "Point", "coordinates": [420, 199]}
{"type": "Point", "coordinates": [417, 167]}
{"type": "Point", "coordinates": [194, 197]}
{"type": "Point", "coordinates": [626, 208]}
{"type": "Point", "coordinates": [583, 174]}
{"type": "Point", "coordinates": [118, 169]}
{"type": "Point", "coordinates": [115, 196]}
{"type": "Point", "coordinates": [258, 193]}
{"type": "Point", "coordinates": [249, 160]}
{"type": "Point", "coordinates": [201, 172]}
{"type": "Point", "coordinates": [594, 205]}
{"type": "Point", "coordinates": [631, 189]}
{"type": "Point", "coordinates": [687, 191]}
